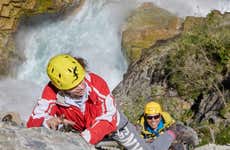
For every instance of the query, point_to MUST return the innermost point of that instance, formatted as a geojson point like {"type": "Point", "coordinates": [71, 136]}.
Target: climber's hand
{"type": "Point", "coordinates": [53, 122]}
{"type": "Point", "coordinates": [184, 134]}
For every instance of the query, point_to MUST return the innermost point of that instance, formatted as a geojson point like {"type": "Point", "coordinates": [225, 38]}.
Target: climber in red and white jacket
{"type": "Point", "coordinates": [75, 97]}
{"type": "Point", "coordinates": [83, 100]}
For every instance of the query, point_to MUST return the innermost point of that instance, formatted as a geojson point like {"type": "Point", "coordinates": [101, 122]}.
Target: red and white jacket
{"type": "Point", "coordinates": [96, 117]}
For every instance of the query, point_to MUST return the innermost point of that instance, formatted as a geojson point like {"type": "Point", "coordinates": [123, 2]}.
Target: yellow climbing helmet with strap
{"type": "Point", "coordinates": [152, 108]}
{"type": "Point", "coordinates": [65, 72]}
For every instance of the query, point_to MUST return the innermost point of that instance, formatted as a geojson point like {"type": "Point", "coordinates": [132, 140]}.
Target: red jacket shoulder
{"type": "Point", "coordinates": [49, 92]}
{"type": "Point", "coordinates": [99, 83]}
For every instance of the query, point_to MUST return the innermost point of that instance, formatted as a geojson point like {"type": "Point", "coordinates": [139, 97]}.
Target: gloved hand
{"type": "Point", "coordinates": [185, 136]}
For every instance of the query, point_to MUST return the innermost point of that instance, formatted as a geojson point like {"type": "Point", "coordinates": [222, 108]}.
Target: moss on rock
{"type": "Point", "coordinates": [144, 27]}
{"type": "Point", "coordinates": [45, 6]}
{"type": "Point", "coordinates": [185, 74]}
{"type": "Point", "coordinates": [205, 135]}
{"type": "Point", "coordinates": [223, 136]}
{"type": "Point", "coordinates": [197, 65]}
{"type": "Point", "coordinates": [225, 112]}
{"type": "Point", "coordinates": [135, 111]}
{"type": "Point", "coordinates": [200, 58]}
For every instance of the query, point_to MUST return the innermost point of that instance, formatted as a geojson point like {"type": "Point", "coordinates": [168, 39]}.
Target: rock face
{"type": "Point", "coordinates": [12, 118]}
{"type": "Point", "coordinates": [145, 26]}
{"type": "Point", "coordinates": [20, 138]}
{"type": "Point", "coordinates": [10, 13]}
{"type": "Point", "coordinates": [213, 147]}
{"type": "Point", "coordinates": [12, 10]}
{"type": "Point", "coordinates": [14, 136]}
{"type": "Point", "coordinates": [188, 75]}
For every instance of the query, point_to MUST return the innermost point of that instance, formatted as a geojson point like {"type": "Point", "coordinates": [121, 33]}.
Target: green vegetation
{"type": "Point", "coordinates": [196, 65]}
{"type": "Point", "coordinates": [134, 112]}
{"type": "Point", "coordinates": [225, 112]}
{"type": "Point", "coordinates": [199, 59]}
{"type": "Point", "coordinates": [186, 77]}
{"type": "Point", "coordinates": [43, 5]}
{"type": "Point", "coordinates": [205, 136]}
{"type": "Point", "coordinates": [187, 115]}
{"type": "Point", "coordinates": [223, 137]}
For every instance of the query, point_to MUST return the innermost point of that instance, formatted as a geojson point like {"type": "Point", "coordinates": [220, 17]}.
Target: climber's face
{"type": "Point", "coordinates": [77, 91]}
{"type": "Point", "coordinates": [153, 120]}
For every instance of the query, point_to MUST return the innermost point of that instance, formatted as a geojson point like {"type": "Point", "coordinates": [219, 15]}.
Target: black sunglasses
{"type": "Point", "coordinates": [151, 117]}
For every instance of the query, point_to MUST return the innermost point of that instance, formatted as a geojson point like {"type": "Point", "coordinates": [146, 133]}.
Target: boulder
{"type": "Point", "coordinates": [146, 25]}
{"type": "Point", "coordinates": [15, 137]}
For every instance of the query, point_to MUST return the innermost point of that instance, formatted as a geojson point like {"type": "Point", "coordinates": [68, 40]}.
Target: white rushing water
{"type": "Point", "coordinates": [93, 33]}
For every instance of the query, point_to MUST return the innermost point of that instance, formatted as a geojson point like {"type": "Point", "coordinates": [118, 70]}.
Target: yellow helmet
{"type": "Point", "coordinates": [65, 72]}
{"type": "Point", "coordinates": [152, 108]}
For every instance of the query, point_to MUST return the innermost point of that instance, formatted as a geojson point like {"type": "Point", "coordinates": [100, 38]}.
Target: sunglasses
{"type": "Point", "coordinates": [151, 117]}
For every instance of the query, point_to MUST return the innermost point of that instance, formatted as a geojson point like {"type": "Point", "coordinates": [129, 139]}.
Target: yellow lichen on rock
{"type": "Point", "coordinates": [146, 25]}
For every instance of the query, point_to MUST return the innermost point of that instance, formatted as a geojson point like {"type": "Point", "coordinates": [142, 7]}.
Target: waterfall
{"type": "Point", "coordinates": [94, 34]}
